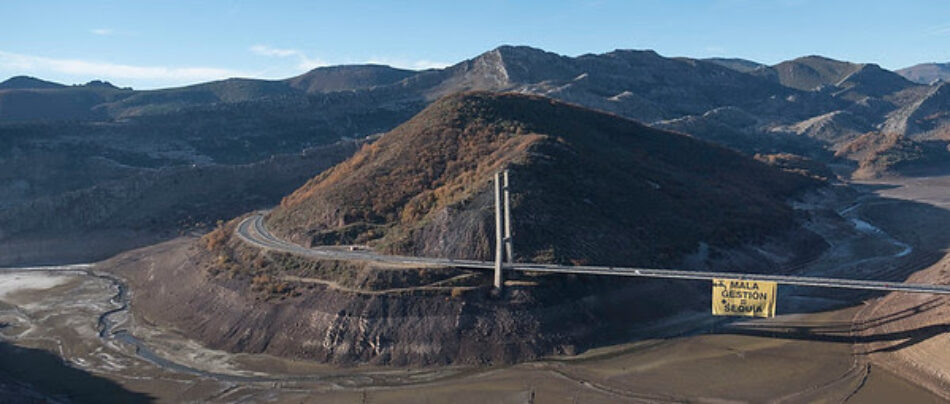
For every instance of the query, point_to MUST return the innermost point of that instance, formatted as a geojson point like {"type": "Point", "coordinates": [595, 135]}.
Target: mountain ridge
{"type": "Point", "coordinates": [347, 77]}
{"type": "Point", "coordinates": [926, 73]}
{"type": "Point", "coordinates": [28, 82]}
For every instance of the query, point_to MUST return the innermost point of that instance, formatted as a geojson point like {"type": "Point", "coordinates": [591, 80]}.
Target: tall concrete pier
{"type": "Point", "coordinates": [499, 239]}
{"type": "Point", "coordinates": [509, 248]}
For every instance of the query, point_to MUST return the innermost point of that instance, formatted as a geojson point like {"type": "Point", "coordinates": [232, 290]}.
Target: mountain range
{"type": "Point", "coordinates": [75, 139]}
{"type": "Point", "coordinates": [640, 85]}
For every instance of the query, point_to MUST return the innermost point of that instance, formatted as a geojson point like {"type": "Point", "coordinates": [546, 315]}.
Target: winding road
{"type": "Point", "coordinates": [253, 231]}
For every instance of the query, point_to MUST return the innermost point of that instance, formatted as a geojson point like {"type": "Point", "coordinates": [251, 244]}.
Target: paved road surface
{"type": "Point", "coordinates": [253, 231]}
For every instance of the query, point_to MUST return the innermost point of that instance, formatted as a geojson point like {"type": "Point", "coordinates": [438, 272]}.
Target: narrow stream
{"type": "Point", "coordinates": [106, 325]}
{"type": "Point", "coordinates": [109, 330]}
{"type": "Point", "coordinates": [870, 229]}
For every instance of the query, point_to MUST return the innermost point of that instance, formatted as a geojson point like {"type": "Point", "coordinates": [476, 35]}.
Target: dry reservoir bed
{"type": "Point", "coordinates": [59, 312]}
{"type": "Point", "coordinates": [50, 322]}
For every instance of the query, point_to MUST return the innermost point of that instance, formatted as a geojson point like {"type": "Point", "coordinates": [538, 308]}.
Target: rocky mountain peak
{"type": "Point", "coordinates": [522, 64]}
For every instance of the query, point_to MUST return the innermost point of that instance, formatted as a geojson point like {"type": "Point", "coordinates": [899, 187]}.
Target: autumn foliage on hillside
{"type": "Point", "coordinates": [879, 154]}
{"type": "Point", "coordinates": [587, 187]}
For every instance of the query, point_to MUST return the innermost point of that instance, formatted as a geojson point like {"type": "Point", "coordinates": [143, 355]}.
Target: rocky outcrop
{"type": "Point", "coordinates": [927, 116]}
{"type": "Point", "coordinates": [836, 127]}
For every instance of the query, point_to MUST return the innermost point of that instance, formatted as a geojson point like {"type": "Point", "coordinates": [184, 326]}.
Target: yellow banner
{"type": "Point", "coordinates": [734, 297]}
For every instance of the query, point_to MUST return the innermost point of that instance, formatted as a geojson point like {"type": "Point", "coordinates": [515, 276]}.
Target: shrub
{"type": "Point", "coordinates": [260, 281]}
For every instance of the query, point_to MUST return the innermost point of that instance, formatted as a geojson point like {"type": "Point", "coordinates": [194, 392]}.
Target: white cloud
{"type": "Point", "coordinates": [307, 63]}
{"type": "Point", "coordinates": [102, 31]}
{"type": "Point", "coordinates": [310, 64]}
{"type": "Point", "coordinates": [265, 50]}
{"type": "Point", "coordinates": [107, 70]}
{"type": "Point", "coordinates": [420, 64]}
{"type": "Point", "coordinates": [304, 62]}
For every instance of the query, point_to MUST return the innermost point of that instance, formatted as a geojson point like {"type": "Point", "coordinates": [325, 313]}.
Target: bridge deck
{"type": "Point", "coordinates": [252, 231]}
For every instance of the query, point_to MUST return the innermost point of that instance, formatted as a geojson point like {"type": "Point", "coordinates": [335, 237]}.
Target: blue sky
{"type": "Point", "coordinates": [150, 44]}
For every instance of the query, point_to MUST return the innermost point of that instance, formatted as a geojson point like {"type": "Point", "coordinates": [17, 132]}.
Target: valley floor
{"type": "Point", "coordinates": [867, 348]}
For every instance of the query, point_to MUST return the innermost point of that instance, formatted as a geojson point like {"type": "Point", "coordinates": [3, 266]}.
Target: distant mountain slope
{"type": "Point", "coordinates": [740, 65]}
{"type": "Point", "coordinates": [880, 153]}
{"type": "Point", "coordinates": [928, 116]}
{"type": "Point", "coordinates": [102, 101]}
{"type": "Point", "coordinates": [347, 77]}
{"type": "Point", "coordinates": [926, 73]}
{"type": "Point", "coordinates": [637, 84]}
{"type": "Point", "coordinates": [57, 102]}
{"type": "Point", "coordinates": [809, 72]}
{"type": "Point", "coordinates": [872, 80]}
{"type": "Point", "coordinates": [631, 81]}
{"type": "Point", "coordinates": [46, 165]}
{"type": "Point", "coordinates": [27, 82]}
{"type": "Point", "coordinates": [814, 72]}
{"type": "Point", "coordinates": [587, 184]}
{"type": "Point", "coordinates": [155, 102]}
